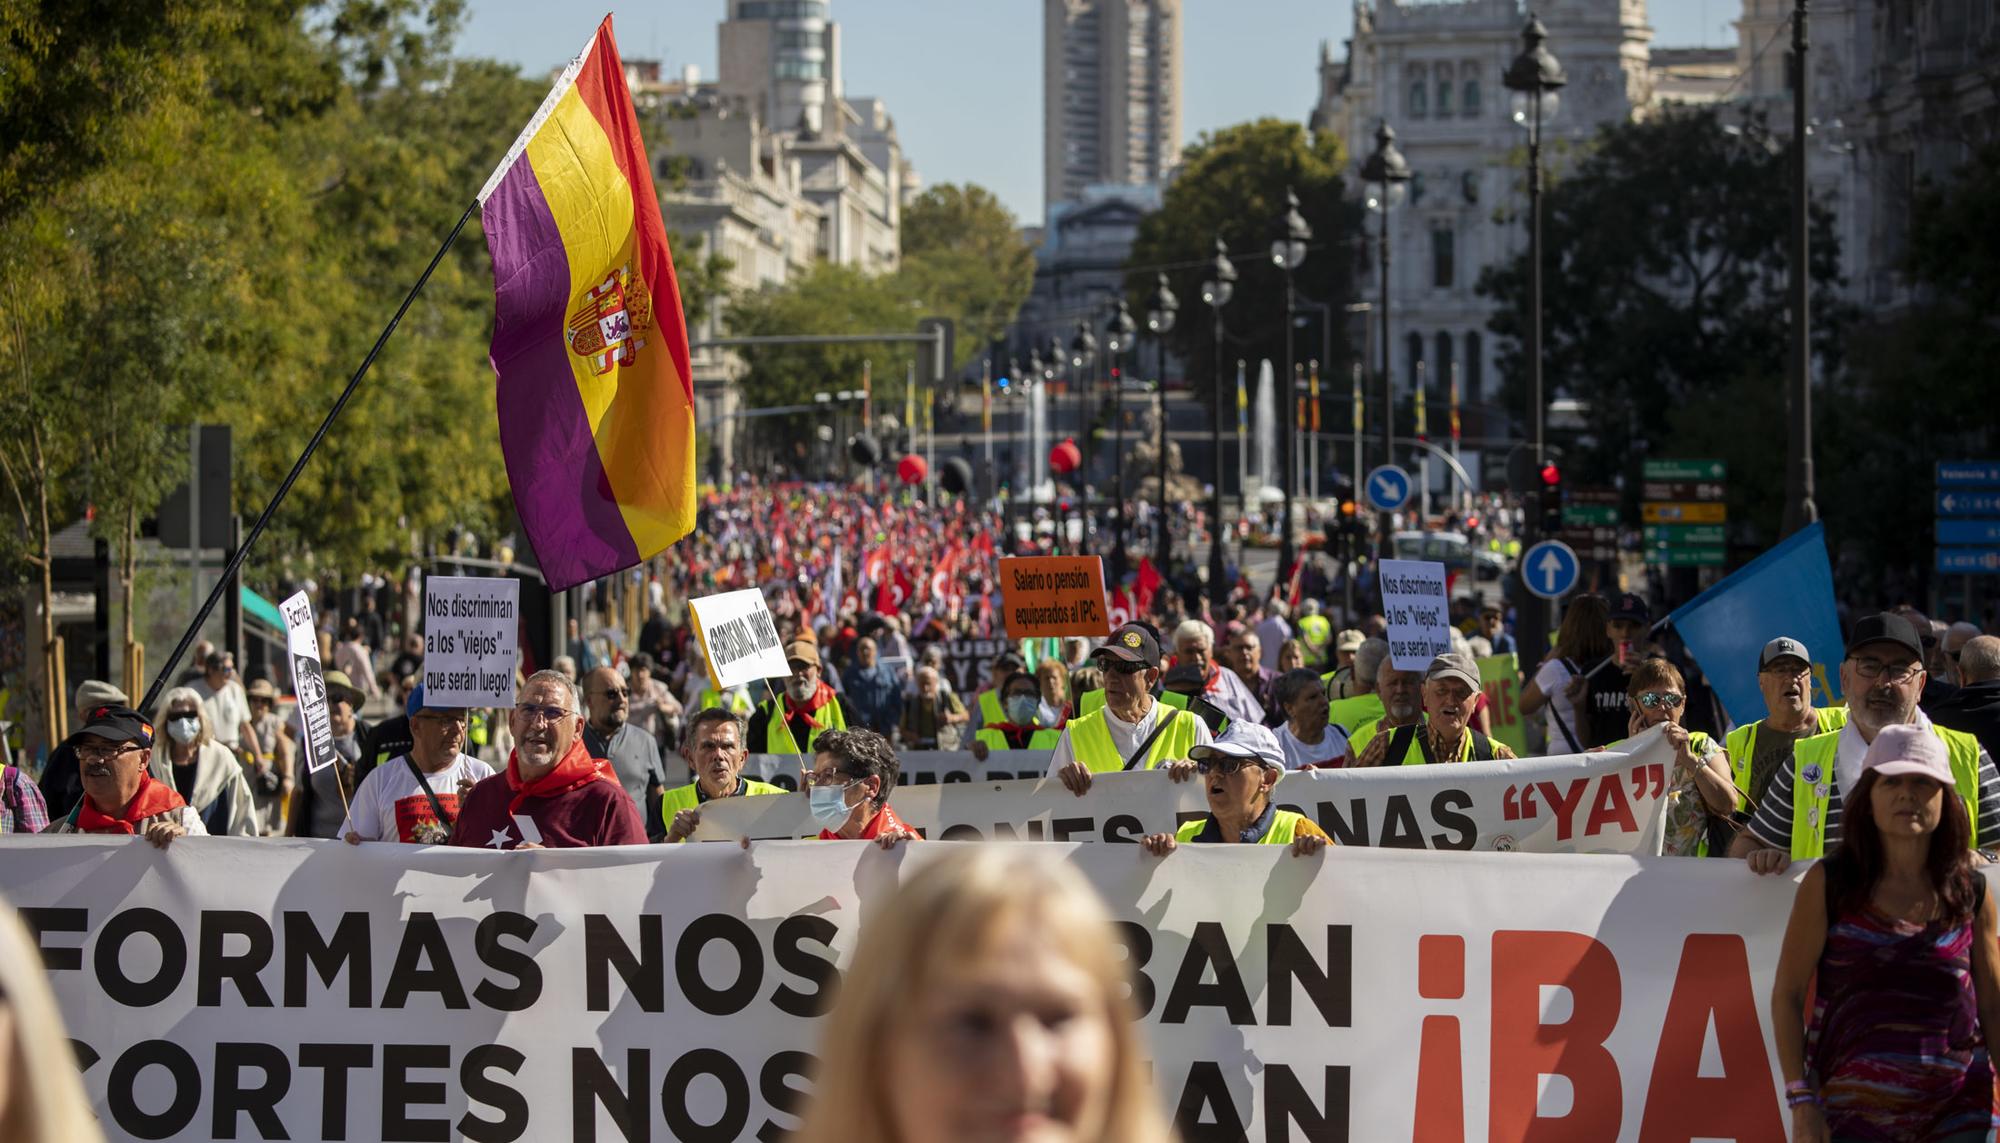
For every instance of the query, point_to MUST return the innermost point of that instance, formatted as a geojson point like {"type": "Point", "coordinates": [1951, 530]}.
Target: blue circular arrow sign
{"type": "Point", "coordinates": [1388, 488]}
{"type": "Point", "coordinates": [1550, 569]}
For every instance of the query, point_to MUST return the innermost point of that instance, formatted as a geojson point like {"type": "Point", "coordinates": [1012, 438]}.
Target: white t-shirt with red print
{"type": "Point", "coordinates": [391, 806]}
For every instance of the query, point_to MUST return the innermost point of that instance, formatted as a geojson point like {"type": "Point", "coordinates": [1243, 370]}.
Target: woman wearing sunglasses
{"type": "Point", "coordinates": [1238, 771]}
{"type": "Point", "coordinates": [1702, 792]}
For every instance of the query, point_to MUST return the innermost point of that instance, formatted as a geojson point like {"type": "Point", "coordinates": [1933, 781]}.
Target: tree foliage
{"type": "Point", "coordinates": [1664, 300]}
{"type": "Point", "coordinates": [963, 258]}
{"type": "Point", "coordinates": [1232, 184]}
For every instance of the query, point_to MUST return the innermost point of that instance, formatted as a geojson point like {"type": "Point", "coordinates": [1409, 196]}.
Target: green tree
{"type": "Point", "coordinates": [1232, 184]}
{"type": "Point", "coordinates": [963, 258]}
{"type": "Point", "coordinates": [1664, 300]}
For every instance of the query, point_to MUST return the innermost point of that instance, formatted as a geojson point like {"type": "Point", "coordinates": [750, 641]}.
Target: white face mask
{"type": "Point", "coordinates": [184, 730]}
{"type": "Point", "coordinates": [1021, 710]}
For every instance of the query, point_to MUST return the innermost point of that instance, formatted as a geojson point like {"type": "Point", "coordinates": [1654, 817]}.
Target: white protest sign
{"type": "Point", "coordinates": [308, 683]}
{"type": "Point", "coordinates": [1611, 801]}
{"type": "Point", "coordinates": [472, 638]}
{"type": "Point", "coordinates": [237, 988]}
{"type": "Point", "coordinates": [739, 638]}
{"type": "Point", "coordinates": [1413, 599]}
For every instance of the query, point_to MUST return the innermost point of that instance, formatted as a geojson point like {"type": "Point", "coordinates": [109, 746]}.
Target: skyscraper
{"type": "Point", "coordinates": [784, 55]}
{"type": "Point", "coordinates": [1111, 94]}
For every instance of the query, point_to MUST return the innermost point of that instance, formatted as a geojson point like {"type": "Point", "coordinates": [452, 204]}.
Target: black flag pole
{"type": "Point", "coordinates": [264, 517]}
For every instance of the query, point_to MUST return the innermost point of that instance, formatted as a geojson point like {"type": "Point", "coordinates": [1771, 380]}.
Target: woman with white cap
{"type": "Point", "coordinates": [1894, 935]}
{"type": "Point", "coordinates": [1239, 770]}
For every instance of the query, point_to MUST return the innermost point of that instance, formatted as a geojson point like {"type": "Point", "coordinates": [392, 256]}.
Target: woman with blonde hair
{"type": "Point", "coordinates": [987, 1001]}
{"type": "Point", "coordinates": [202, 770]}
{"type": "Point", "coordinates": [41, 1090]}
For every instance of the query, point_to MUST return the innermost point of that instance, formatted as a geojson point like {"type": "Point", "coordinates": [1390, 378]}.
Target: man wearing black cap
{"type": "Point", "coordinates": [1798, 818]}
{"type": "Point", "coordinates": [1757, 749]}
{"type": "Point", "coordinates": [1132, 730]}
{"type": "Point", "coordinates": [113, 751]}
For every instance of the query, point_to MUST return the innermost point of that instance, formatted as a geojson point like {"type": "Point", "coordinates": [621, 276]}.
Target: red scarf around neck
{"type": "Point", "coordinates": [153, 799]}
{"type": "Point", "coordinates": [574, 770]}
{"type": "Point", "coordinates": [809, 709]}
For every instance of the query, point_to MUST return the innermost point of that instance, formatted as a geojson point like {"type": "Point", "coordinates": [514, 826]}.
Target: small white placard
{"type": "Point", "coordinates": [739, 637]}
{"type": "Point", "coordinates": [1413, 598]}
{"type": "Point", "coordinates": [308, 683]}
{"type": "Point", "coordinates": [472, 639]}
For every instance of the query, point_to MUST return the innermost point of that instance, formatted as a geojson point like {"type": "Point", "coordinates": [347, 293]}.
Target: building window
{"type": "Point", "coordinates": [1469, 106]}
{"type": "Point", "coordinates": [1419, 94]}
{"type": "Point", "coordinates": [1444, 355]}
{"type": "Point", "coordinates": [1444, 256]}
{"type": "Point", "coordinates": [1475, 368]}
{"type": "Point", "coordinates": [1413, 348]}
{"type": "Point", "coordinates": [1444, 91]}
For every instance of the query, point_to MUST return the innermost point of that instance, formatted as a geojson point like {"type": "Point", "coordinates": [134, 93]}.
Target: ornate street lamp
{"type": "Point", "coordinates": [1288, 252]}
{"type": "Point", "coordinates": [1161, 309]}
{"type": "Point", "coordinates": [1390, 174]}
{"type": "Point", "coordinates": [1216, 290]}
{"type": "Point", "coordinates": [1119, 329]}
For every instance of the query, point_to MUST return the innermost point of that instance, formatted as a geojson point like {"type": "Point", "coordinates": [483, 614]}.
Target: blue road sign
{"type": "Point", "coordinates": [1952, 503]}
{"type": "Point", "coordinates": [1550, 569]}
{"type": "Point", "coordinates": [1968, 531]}
{"type": "Point", "coordinates": [1969, 561]}
{"type": "Point", "coordinates": [1968, 474]}
{"type": "Point", "coordinates": [1388, 488]}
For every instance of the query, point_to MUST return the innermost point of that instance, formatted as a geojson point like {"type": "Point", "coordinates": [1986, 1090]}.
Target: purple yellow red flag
{"type": "Point", "coordinates": [596, 399]}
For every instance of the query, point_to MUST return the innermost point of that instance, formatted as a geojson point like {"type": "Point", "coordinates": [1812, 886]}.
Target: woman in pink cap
{"type": "Point", "coordinates": [1900, 932]}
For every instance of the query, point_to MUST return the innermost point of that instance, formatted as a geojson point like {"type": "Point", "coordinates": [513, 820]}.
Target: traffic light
{"type": "Point", "coordinates": [1552, 501]}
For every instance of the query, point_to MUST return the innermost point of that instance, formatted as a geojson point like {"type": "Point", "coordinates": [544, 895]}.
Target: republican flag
{"type": "Point", "coordinates": [596, 399]}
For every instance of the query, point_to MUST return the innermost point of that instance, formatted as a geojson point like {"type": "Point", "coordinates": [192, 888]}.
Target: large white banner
{"type": "Point", "coordinates": [917, 767]}
{"type": "Point", "coordinates": [260, 989]}
{"type": "Point", "coordinates": [1604, 802]}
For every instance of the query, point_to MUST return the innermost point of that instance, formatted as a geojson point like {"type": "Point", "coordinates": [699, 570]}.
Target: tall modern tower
{"type": "Point", "coordinates": [784, 55]}
{"type": "Point", "coordinates": [1111, 94]}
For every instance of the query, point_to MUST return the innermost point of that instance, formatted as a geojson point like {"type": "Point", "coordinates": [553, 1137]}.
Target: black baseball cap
{"type": "Point", "coordinates": [1134, 643]}
{"type": "Point", "coordinates": [116, 723]}
{"type": "Point", "coordinates": [1630, 606]}
{"type": "Point", "coordinates": [1885, 628]}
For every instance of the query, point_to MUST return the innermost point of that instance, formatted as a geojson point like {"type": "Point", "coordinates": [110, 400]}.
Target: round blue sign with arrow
{"type": "Point", "coordinates": [1388, 488]}
{"type": "Point", "coordinates": [1550, 569]}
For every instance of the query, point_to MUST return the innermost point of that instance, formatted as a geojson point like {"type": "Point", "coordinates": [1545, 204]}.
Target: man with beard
{"type": "Point", "coordinates": [1757, 749]}
{"type": "Point", "coordinates": [553, 793]}
{"type": "Point", "coordinates": [715, 751]}
{"type": "Point", "coordinates": [793, 721]}
{"type": "Point", "coordinates": [633, 754]}
{"type": "Point", "coordinates": [319, 797]}
{"type": "Point", "coordinates": [1798, 819]}
{"type": "Point", "coordinates": [113, 751]}
{"type": "Point", "coordinates": [1402, 704]}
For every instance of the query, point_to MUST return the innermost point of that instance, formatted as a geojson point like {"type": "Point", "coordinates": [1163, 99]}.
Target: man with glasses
{"type": "Point", "coordinates": [1798, 819]}
{"type": "Point", "coordinates": [1238, 771]}
{"type": "Point", "coordinates": [848, 789]}
{"type": "Point", "coordinates": [414, 798]}
{"type": "Point", "coordinates": [113, 751]}
{"type": "Point", "coordinates": [633, 753]}
{"type": "Point", "coordinates": [1132, 730]}
{"type": "Point", "coordinates": [714, 750]}
{"type": "Point", "coordinates": [1757, 749]}
{"type": "Point", "coordinates": [552, 793]}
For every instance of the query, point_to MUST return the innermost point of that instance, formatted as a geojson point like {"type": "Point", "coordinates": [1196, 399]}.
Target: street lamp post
{"type": "Point", "coordinates": [1535, 77]}
{"type": "Point", "coordinates": [1288, 252]}
{"type": "Point", "coordinates": [1799, 507]}
{"type": "Point", "coordinates": [1161, 310]}
{"type": "Point", "coordinates": [1216, 290]}
{"type": "Point", "coordinates": [1082, 355]}
{"type": "Point", "coordinates": [1386, 168]}
{"type": "Point", "coordinates": [1118, 331]}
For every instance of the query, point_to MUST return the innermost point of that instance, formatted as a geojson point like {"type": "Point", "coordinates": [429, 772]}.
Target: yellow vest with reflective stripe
{"type": "Point", "coordinates": [1811, 798]}
{"type": "Point", "coordinates": [1284, 826]}
{"type": "Point", "coordinates": [688, 797]}
{"type": "Point", "coordinates": [1090, 738]}
{"type": "Point", "coordinates": [1742, 743]}
{"type": "Point", "coordinates": [777, 732]}
{"type": "Point", "coordinates": [1043, 739]}
{"type": "Point", "coordinates": [989, 707]}
{"type": "Point", "coordinates": [1350, 713]}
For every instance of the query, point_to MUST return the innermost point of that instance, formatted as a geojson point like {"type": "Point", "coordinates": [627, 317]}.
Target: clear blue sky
{"type": "Point", "coordinates": [963, 77]}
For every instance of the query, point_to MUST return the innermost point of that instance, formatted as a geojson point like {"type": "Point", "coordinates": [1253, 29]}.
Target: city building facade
{"type": "Point", "coordinates": [1111, 94]}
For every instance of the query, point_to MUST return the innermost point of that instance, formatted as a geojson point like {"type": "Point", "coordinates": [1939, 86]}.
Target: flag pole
{"type": "Point", "coordinates": [264, 518]}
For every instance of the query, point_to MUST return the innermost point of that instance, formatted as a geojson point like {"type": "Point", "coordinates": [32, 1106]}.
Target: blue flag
{"type": "Point", "coordinates": [1786, 591]}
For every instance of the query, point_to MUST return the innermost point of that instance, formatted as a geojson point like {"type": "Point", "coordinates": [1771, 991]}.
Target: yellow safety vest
{"type": "Point", "coordinates": [1742, 742]}
{"type": "Point", "coordinates": [1093, 701]}
{"type": "Point", "coordinates": [1284, 827]}
{"type": "Point", "coordinates": [1090, 738]}
{"type": "Point", "coordinates": [688, 797]}
{"type": "Point", "coordinates": [739, 700]}
{"type": "Point", "coordinates": [1472, 744]}
{"type": "Point", "coordinates": [1812, 786]}
{"type": "Point", "coordinates": [1350, 713]}
{"type": "Point", "coordinates": [776, 731]}
{"type": "Point", "coordinates": [1043, 739]}
{"type": "Point", "coordinates": [1366, 732]}
{"type": "Point", "coordinates": [1315, 632]}
{"type": "Point", "coordinates": [990, 710]}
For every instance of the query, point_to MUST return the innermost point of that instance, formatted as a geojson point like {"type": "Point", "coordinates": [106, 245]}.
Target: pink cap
{"type": "Point", "coordinates": [1906, 749]}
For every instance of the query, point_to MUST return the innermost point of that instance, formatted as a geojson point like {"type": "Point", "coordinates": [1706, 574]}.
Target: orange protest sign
{"type": "Point", "coordinates": [1044, 596]}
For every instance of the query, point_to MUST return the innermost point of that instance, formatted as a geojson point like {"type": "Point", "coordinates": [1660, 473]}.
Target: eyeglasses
{"type": "Point", "coordinates": [1124, 667]}
{"type": "Point", "coordinates": [1224, 765]}
{"type": "Point", "coordinates": [1887, 672]}
{"type": "Point", "coordinates": [1653, 700]}
{"type": "Point", "coordinates": [535, 712]}
{"type": "Point", "coordinates": [101, 754]}
{"type": "Point", "coordinates": [830, 778]}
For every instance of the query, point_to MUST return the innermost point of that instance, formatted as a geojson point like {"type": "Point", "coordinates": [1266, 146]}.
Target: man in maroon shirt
{"type": "Point", "coordinates": [552, 794]}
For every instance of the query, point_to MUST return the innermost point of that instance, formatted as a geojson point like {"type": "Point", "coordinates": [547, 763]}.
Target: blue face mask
{"type": "Point", "coordinates": [829, 805]}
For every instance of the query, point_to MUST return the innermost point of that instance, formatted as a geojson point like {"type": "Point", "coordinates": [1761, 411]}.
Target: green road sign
{"type": "Point", "coordinates": [1686, 470]}
{"type": "Point", "coordinates": [1687, 557]}
{"type": "Point", "coordinates": [1689, 535]}
{"type": "Point", "coordinates": [1590, 515]}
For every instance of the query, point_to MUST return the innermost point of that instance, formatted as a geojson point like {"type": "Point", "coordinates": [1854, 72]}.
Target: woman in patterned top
{"type": "Point", "coordinates": [1899, 931]}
